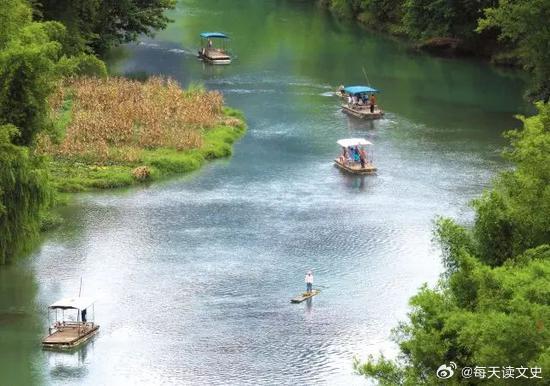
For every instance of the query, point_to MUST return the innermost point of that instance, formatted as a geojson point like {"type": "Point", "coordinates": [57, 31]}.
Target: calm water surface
{"type": "Point", "coordinates": [193, 275]}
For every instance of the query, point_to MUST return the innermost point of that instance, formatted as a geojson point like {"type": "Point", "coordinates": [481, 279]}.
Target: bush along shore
{"type": "Point", "coordinates": [115, 132]}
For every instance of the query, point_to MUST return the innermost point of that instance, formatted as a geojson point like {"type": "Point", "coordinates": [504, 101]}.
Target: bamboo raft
{"type": "Point", "coordinates": [363, 112]}
{"type": "Point", "coordinates": [356, 168]}
{"type": "Point", "coordinates": [304, 296]}
{"type": "Point", "coordinates": [70, 335]}
{"type": "Point", "coordinates": [215, 56]}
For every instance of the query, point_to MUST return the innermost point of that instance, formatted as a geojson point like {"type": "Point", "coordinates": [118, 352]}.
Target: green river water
{"type": "Point", "coordinates": [193, 275]}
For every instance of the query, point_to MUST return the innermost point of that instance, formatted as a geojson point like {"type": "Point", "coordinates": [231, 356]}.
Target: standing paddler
{"type": "Point", "coordinates": [309, 282]}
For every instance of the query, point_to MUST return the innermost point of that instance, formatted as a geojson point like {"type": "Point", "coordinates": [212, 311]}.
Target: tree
{"type": "Point", "coordinates": [101, 24]}
{"type": "Point", "coordinates": [79, 18]}
{"type": "Point", "coordinates": [515, 215]}
{"type": "Point", "coordinates": [24, 191]}
{"type": "Point", "coordinates": [13, 14]}
{"type": "Point", "coordinates": [27, 75]}
{"type": "Point", "coordinates": [438, 18]}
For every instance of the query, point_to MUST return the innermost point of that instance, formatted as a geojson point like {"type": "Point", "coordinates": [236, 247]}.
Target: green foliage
{"type": "Point", "coordinates": [433, 18]}
{"type": "Point", "coordinates": [24, 192]}
{"type": "Point", "coordinates": [13, 14]}
{"type": "Point", "coordinates": [515, 215]}
{"type": "Point", "coordinates": [27, 73]}
{"type": "Point", "coordinates": [78, 16]}
{"type": "Point", "coordinates": [491, 306]}
{"type": "Point", "coordinates": [385, 371]}
{"type": "Point", "coordinates": [49, 220]}
{"type": "Point", "coordinates": [101, 24]}
{"type": "Point", "coordinates": [454, 241]}
{"type": "Point", "coordinates": [382, 13]}
{"type": "Point", "coordinates": [82, 65]}
{"type": "Point", "coordinates": [524, 23]}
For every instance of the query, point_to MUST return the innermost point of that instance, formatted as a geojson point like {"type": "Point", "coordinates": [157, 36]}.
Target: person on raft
{"type": "Point", "coordinates": [309, 282]}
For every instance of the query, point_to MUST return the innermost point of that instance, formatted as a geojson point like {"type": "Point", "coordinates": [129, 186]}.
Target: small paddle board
{"type": "Point", "coordinates": [304, 296]}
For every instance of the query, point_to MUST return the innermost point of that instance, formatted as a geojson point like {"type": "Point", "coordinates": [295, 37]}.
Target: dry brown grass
{"type": "Point", "coordinates": [114, 118]}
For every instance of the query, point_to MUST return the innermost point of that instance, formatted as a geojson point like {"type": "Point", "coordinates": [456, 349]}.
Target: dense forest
{"type": "Point", "coordinates": [492, 303]}
{"type": "Point", "coordinates": [41, 42]}
{"type": "Point", "coordinates": [511, 32]}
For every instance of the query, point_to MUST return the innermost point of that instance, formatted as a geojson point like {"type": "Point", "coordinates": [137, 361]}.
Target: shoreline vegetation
{"type": "Point", "coordinates": [505, 32]}
{"type": "Point", "coordinates": [116, 132]}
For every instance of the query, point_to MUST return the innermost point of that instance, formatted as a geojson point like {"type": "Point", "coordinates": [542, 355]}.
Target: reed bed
{"type": "Point", "coordinates": [115, 119]}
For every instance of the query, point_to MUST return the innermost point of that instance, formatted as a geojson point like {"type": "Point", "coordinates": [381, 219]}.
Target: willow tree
{"type": "Point", "coordinates": [24, 191]}
{"type": "Point", "coordinates": [29, 53]}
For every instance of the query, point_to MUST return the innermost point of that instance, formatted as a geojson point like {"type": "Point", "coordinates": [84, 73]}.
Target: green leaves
{"type": "Point", "coordinates": [23, 192]}
{"type": "Point", "coordinates": [101, 24]}
{"type": "Point", "coordinates": [515, 215]}
{"type": "Point", "coordinates": [26, 79]}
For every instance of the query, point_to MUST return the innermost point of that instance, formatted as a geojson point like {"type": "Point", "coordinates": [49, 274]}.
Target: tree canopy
{"type": "Point", "coordinates": [100, 24]}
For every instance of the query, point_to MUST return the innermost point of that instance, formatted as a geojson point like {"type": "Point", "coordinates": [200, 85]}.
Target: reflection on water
{"type": "Point", "coordinates": [194, 275]}
{"type": "Point", "coordinates": [354, 182]}
{"type": "Point", "coordinates": [69, 365]}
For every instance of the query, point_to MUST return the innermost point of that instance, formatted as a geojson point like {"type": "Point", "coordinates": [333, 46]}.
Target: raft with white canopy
{"type": "Point", "coordinates": [72, 326]}
{"type": "Point", "coordinates": [355, 158]}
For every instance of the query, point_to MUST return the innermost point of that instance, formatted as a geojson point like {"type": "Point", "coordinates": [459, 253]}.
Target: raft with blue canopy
{"type": "Point", "coordinates": [211, 54]}
{"type": "Point", "coordinates": [357, 90]}
{"type": "Point", "coordinates": [210, 35]}
{"type": "Point", "coordinates": [359, 104]}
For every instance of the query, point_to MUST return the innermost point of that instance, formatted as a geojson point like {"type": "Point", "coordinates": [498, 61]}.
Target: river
{"type": "Point", "coordinates": [193, 275]}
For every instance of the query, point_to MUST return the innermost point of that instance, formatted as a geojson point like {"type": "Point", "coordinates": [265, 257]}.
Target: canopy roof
{"type": "Point", "coordinates": [359, 89]}
{"type": "Point", "coordinates": [353, 142]}
{"type": "Point", "coordinates": [74, 303]}
{"type": "Point", "coordinates": [208, 35]}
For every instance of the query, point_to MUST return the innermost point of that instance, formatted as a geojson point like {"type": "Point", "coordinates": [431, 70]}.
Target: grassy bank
{"type": "Point", "coordinates": [118, 132]}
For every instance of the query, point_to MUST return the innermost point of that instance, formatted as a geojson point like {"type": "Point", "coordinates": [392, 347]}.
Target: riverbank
{"type": "Point", "coordinates": [116, 132]}
{"type": "Point", "coordinates": [425, 29]}
{"type": "Point", "coordinates": [511, 34]}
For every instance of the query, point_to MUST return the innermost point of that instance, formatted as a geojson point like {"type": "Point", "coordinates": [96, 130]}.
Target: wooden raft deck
{"type": "Point", "coordinates": [216, 55]}
{"type": "Point", "coordinates": [69, 336]}
{"type": "Point", "coordinates": [304, 296]}
{"type": "Point", "coordinates": [356, 168]}
{"type": "Point", "coordinates": [363, 112]}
